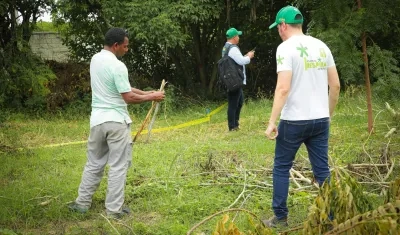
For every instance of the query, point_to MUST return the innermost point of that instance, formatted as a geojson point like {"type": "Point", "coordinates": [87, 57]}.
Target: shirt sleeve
{"type": "Point", "coordinates": [330, 62]}
{"type": "Point", "coordinates": [283, 59]}
{"type": "Point", "coordinates": [121, 79]}
{"type": "Point", "coordinates": [237, 56]}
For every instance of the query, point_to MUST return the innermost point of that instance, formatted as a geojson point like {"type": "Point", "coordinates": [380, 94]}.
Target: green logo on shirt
{"type": "Point", "coordinates": [303, 50]}
{"type": "Point", "coordinates": [279, 60]}
{"type": "Point", "coordinates": [322, 53]}
{"type": "Point", "coordinates": [312, 64]}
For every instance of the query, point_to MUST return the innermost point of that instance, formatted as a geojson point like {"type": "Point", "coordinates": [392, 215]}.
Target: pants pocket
{"type": "Point", "coordinates": [294, 132]}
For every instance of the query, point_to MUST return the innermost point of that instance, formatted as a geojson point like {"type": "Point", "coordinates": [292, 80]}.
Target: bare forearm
{"type": "Point", "coordinates": [334, 88]}
{"type": "Point", "coordinates": [280, 98]}
{"type": "Point", "coordinates": [139, 92]}
{"type": "Point", "coordinates": [136, 98]}
{"type": "Point", "coordinates": [333, 99]}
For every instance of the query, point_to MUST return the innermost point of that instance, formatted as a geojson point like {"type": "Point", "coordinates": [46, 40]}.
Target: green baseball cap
{"type": "Point", "coordinates": [232, 32]}
{"type": "Point", "coordinates": [289, 15]}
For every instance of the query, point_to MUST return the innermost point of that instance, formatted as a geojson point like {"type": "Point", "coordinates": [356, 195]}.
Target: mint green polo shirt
{"type": "Point", "coordinates": [108, 79]}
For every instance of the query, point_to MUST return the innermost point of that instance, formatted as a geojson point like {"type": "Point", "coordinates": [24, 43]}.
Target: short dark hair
{"type": "Point", "coordinates": [115, 35]}
{"type": "Point", "coordinates": [298, 26]}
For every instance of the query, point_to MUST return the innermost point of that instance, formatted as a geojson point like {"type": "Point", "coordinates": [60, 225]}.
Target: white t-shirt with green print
{"type": "Point", "coordinates": [108, 79]}
{"type": "Point", "coordinates": [308, 58]}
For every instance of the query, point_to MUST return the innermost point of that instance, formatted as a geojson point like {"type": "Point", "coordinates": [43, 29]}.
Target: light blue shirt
{"type": "Point", "coordinates": [108, 79]}
{"type": "Point", "coordinates": [237, 56]}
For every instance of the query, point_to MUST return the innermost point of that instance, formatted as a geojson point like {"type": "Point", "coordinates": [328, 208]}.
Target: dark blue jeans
{"type": "Point", "coordinates": [314, 134]}
{"type": "Point", "coordinates": [235, 103]}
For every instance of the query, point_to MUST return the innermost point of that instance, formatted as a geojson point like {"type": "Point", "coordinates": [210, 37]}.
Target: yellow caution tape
{"type": "Point", "coordinates": [217, 109]}
{"type": "Point", "coordinates": [183, 125]}
{"type": "Point", "coordinates": [186, 124]}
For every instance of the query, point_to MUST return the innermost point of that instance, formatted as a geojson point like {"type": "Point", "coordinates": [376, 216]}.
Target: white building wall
{"type": "Point", "coordinates": [48, 45]}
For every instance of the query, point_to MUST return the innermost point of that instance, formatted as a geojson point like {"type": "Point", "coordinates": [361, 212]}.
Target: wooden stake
{"type": "Point", "coordinates": [154, 114]}
{"type": "Point", "coordinates": [294, 180]}
{"type": "Point", "coordinates": [146, 120]}
{"type": "Point", "coordinates": [301, 176]}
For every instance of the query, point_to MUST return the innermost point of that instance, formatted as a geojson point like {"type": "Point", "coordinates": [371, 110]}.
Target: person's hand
{"type": "Point", "coordinates": [272, 131]}
{"type": "Point", "coordinates": [158, 95]}
{"type": "Point", "coordinates": [250, 54]}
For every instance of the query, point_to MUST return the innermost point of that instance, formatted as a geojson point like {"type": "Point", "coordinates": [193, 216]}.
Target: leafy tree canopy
{"type": "Point", "coordinates": [341, 23]}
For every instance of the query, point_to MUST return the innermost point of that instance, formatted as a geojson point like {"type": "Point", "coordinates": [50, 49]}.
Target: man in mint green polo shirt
{"type": "Point", "coordinates": [110, 140]}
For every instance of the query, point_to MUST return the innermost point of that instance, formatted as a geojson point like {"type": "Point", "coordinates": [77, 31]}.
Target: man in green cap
{"type": "Point", "coordinates": [306, 95]}
{"type": "Point", "coordinates": [235, 98]}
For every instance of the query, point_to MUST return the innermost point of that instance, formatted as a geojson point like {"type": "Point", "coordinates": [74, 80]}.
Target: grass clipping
{"type": "Point", "coordinates": [345, 200]}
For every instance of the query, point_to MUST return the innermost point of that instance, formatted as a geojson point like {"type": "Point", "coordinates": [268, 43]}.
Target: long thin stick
{"type": "Point", "coordinates": [155, 113]}
{"type": "Point", "coordinates": [294, 180]}
{"type": "Point", "coordinates": [144, 122]}
{"type": "Point", "coordinates": [126, 226]}
{"type": "Point", "coordinates": [389, 171]}
{"type": "Point", "coordinates": [303, 180]}
{"type": "Point", "coordinates": [267, 186]}
{"type": "Point", "coordinates": [366, 165]}
{"type": "Point", "coordinates": [243, 191]}
{"type": "Point", "coordinates": [300, 176]}
{"type": "Point", "coordinates": [241, 205]}
{"type": "Point", "coordinates": [153, 104]}
{"type": "Point", "coordinates": [152, 121]}
{"type": "Point", "coordinates": [377, 172]}
{"type": "Point", "coordinates": [110, 223]}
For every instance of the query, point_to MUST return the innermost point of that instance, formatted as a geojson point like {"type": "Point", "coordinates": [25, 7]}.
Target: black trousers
{"type": "Point", "coordinates": [235, 103]}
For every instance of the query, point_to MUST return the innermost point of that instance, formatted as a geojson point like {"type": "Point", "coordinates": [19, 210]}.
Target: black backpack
{"type": "Point", "coordinates": [230, 73]}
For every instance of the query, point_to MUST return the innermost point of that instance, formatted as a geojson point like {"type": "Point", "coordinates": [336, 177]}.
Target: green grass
{"type": "Point", "coordinates": [43, 26]}
{"type": "Point", "coordinates": [177, 179]}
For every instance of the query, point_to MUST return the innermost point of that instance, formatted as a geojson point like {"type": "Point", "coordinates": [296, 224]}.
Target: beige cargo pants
{"type": "Point", "coordinates": [109, 143]}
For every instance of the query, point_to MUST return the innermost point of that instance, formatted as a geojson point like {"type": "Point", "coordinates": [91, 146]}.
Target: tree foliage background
{"type": "Point", "coordinates": [340, 24]}
{"type": "Point", "coordinates": [23, 76]}
{"type": "Point", "coordinates": [181, 41]}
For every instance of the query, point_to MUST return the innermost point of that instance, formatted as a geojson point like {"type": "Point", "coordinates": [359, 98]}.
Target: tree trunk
{"type": "Point", "coordinates": [366, 76]}
{"type": "Point", "coordinates": [13, 27]}
{"type": "Point", "coordinates": [214, 75]}
{"type": "Point", "coordinates": [219, 39]}
{"type": "Point", "coordinates": [26, 28]}
{"type": "Point", "coordinates": [198, 56]}
{"type": "Point", "coordinates": [367, 82]}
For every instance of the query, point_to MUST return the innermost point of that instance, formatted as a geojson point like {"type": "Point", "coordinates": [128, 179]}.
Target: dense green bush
{"type": "Point", "coordinates": [25, 80]}
{"type": "Point", "coordinates": [72, 87]}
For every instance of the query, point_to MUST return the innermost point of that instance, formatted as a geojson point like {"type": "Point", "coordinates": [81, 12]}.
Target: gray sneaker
{"type": "Point", "coordinates": [118, 215]}
{"type": "Point", "coordinates": [274, 222]}
{"type": "Point", "coordinates": [73, 206]}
